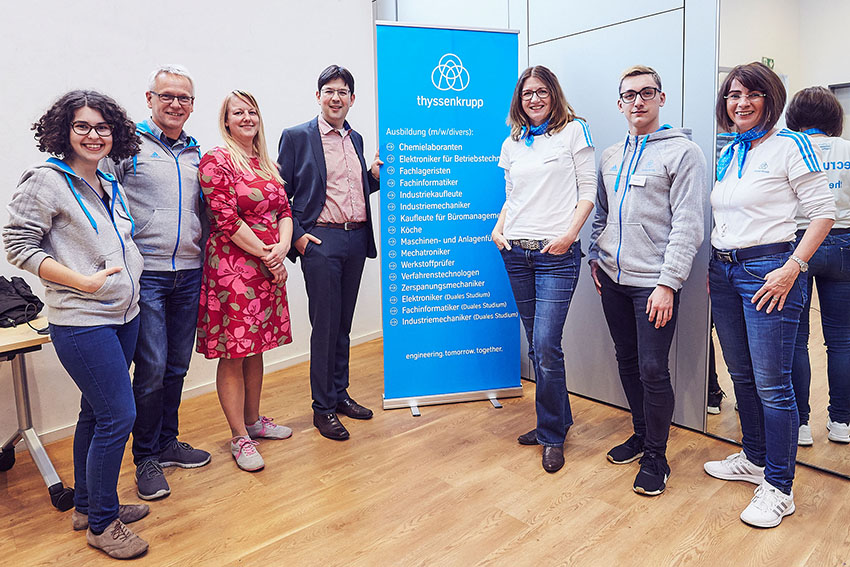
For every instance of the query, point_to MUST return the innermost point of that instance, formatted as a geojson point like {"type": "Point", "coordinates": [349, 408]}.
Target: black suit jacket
{"type": "Point", "coordinates": [302, 165]}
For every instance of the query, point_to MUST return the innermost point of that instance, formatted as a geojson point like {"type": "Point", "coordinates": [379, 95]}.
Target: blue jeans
{"type": "Point", "coordinates": [97, 359]}
{"type": "Point", "coordinates": [168, 303]}
{"type": "Point", "coordinates": [642, 358]}
{"type": "Point", "coordinates": [758, 348]}
{"type": "Point", "coordinates": [830, 268]}
{"type": "Point", "coordinates": [543, 286]}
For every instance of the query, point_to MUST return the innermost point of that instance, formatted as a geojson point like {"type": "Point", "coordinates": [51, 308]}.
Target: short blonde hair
{"type": "Point", "coordinates": [636, 70]}
{"type": "Point", "coordinates": [268, 169]}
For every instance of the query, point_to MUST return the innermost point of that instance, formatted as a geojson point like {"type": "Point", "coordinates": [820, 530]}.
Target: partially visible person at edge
{"type": "Point", "coordinates": [550, 185]}
{"type": "Point", "coordinates": [70, 224]}
{"type": "Point", "coordinates": [757, 293]}
{"type": "Point", "coordinates": [653, 184]}
{"type": "Point", "coordinates": [244, 311]}
{"type": "Point", "coordinates": [816, 111]}
{"type": "Point", "coordinates": [164, 195]}
{"type": "Point", "coordinates": [329, 184]}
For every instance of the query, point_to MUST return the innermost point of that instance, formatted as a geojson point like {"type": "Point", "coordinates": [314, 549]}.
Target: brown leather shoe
{"type": "Point", "coordinates": [529, 438]}
{"type": "Point", "coordinates": [329, 426]}
{"type": "Point", "coordinates": [553, 458]}
{"type": "Point", "coordinates": [353, 410]}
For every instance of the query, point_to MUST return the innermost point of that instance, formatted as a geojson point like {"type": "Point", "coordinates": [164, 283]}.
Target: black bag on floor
{"type": "Point", "coordinates": [18, 304]}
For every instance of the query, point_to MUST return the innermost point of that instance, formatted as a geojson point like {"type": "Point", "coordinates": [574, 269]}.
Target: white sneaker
{"type": "Point", "coordinates": [804, 438]}
{"type": "Point", "coordinates": [266, 428]}
{"type": "Point", "coordinates": [768, 506]}
{"type": "Point", "coordinates": [245, 452]}
{"type": "Point", "coordinates": [735, 467]}
{"type": "Point", "coordinates": [838, 432]}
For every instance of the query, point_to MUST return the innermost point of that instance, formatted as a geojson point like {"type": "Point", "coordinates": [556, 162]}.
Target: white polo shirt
{"type": "Point", "coordinates": [836, 164]}
{"type": "Point", "coordinates": [545, 181]}
{"type": "Point", "coordinates": [780, 174]}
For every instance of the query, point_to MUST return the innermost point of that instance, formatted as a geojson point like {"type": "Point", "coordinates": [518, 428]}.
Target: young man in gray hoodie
{"type": "Point", "coordinates": [165, 198]}
{"type": "Point", "coordinates": [649, 224]}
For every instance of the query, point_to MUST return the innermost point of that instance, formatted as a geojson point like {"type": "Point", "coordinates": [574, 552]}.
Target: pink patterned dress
{"type": "Point", "coordinates": [242, 312]}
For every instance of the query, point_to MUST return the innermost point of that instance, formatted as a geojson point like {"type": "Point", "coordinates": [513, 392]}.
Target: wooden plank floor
{"type": "Point", "coordinates": [449, 488]}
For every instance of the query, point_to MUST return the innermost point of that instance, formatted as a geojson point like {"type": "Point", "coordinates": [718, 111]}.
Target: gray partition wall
{"type": "Point", "coordinates": [588, 45]}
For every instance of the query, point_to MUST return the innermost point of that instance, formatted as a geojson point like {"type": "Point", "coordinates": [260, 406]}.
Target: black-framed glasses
{"type": "Point", "coordinates": [329, 92]}
{"type": "Point", "coordinates": [166, 98]}
{"type": "Point", "coordinates": [103, 129]}
{"type": "Point", "coordinates": [752, 97]}
{"type": "Point", "coordinates": [646, 93]}
{"type": "Point", "coordinates": [541, 94]}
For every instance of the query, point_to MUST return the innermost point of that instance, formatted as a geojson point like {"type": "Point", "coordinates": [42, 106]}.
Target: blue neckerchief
{"type": "Point", "coordinates": [529, 133]}
{"type": "Point", "coordinates": [811, 131]}
{"type": "Point", "coordinates": [634, 163]}
{"type": "Point", "coordinates": [744, 140]}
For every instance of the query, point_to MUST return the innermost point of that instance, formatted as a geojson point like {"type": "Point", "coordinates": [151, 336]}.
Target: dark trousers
{"type": "Point", "coordinates": [332, 272]}
{"type": "Point", "coordinates": [642, 358]}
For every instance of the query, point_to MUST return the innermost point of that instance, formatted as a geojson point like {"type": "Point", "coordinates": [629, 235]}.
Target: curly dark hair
{"type": "Point", "coordinates": [53, 129]}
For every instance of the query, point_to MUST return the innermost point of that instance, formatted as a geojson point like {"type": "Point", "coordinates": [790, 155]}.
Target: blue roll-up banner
{"type": "Point", "coordinates": [451, 330]}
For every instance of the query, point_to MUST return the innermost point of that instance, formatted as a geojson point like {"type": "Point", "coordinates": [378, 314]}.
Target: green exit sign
{"type": "Point", "coordinates": [767, 61]}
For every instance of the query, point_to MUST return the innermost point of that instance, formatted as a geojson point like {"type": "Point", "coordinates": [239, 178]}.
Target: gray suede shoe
{"type": "Point", "coordinates": [117, 541]}
{"type": "Point", "coordinates": [127, 513]}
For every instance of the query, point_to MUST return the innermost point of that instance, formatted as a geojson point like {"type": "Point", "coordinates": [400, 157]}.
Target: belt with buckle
{"type": "Point", "coordinates": [528, 244]}
{"type": "Point", "coordinates": [740, 254]}
{"type": "Point", "coordinates": [347, 225]}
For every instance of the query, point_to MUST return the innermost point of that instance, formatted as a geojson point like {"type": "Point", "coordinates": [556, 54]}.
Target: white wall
{"type": "Point", "coordinates": [273, 49]}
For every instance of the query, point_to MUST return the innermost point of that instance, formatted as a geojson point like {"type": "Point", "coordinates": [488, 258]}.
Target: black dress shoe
{"type": "Point", "coordinates": [353, 410]}
{"type": "Point", "coordinates": [529, 438]}
{"type": "Point", "coordinates": [553, 458]}
{"type": "Point", "coordinates": [329, 426]}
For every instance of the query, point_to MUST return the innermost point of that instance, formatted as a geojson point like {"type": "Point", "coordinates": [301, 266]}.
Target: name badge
{"type": "Point", "coordinates": [638, 180]}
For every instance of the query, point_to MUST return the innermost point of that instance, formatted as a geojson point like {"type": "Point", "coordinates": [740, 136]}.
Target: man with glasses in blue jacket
{"type": "Point", "coordinates": [162, 186]}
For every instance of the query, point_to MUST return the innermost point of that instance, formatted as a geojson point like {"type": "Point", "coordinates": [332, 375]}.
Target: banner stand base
{"type": "Point", "coordinates": [453, 398]}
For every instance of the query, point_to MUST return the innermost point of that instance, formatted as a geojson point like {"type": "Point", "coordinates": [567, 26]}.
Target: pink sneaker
{"type": "Point", "coordinates": [245, 452]}
{"type": "Point", "coordinates": [266, 428]}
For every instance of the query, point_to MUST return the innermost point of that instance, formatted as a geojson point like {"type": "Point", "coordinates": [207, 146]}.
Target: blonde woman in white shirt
{"type": "Point", "coordinates": [550, 184]}
{"type": "Point", "coordinates": [757, 292]}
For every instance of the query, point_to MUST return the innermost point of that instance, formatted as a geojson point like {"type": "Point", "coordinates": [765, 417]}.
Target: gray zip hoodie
{"type": "Point", "coordinates": [648, 228]}
{"type": "Point", "coordinates": [164, 195]}
{"type": "Point", "coordinates": [54, 213]}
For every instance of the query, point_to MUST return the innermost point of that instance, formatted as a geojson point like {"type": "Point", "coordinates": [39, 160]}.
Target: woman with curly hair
{"type": "Point", "coordinates": [243, 310]}
{"type": "Point", "coordinates": [70, 225]}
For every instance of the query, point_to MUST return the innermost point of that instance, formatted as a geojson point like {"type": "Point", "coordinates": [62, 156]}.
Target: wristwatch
{"type": "Point", "coordinates": [804, 266]}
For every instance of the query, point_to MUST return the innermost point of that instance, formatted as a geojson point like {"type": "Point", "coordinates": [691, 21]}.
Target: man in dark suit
{"type": "Point", "coordinates": [329, 184]}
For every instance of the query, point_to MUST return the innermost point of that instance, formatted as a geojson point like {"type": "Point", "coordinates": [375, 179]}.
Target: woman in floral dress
{"type": "Point", "coordinates": [243, 309]}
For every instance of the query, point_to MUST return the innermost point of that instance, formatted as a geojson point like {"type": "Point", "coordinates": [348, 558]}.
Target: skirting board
{"type": "Point", "coordinates": [453, 398]}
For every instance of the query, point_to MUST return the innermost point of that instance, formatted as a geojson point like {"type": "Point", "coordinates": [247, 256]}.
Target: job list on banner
{"type": "Point", "coordinates": [449, 319]}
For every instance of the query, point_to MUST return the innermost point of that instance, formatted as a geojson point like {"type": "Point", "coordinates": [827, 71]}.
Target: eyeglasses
{"type": "Point", "coordinates": [541, 94]}
{"type": "Point", "coordinates": [166, 98]}
{"type": "Point", "coordinates": [646, 93]}
{"type": "Point", "coordinates": [104, 129]}
{"type": "Point", "coordinates": [752, 97]}
{"type": "Point", "coordinates": [329, 93]}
